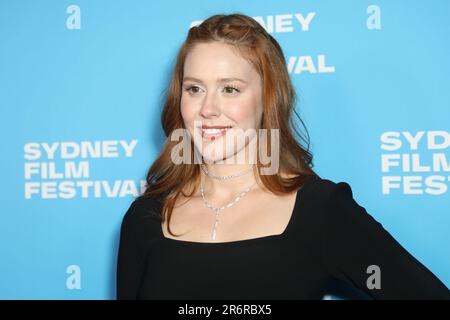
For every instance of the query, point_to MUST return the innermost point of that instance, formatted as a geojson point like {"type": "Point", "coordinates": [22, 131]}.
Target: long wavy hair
{"type": "Point", "coordinates": [166, 180]}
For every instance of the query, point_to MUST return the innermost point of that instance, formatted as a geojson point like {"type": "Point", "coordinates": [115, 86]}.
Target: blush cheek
{"type": "Point", "coordinates": [187, 115]}
{"type": "Point", "coordinates": [244, 114]}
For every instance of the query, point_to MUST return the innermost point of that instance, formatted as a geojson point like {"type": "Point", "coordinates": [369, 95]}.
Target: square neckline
{"type": "Point", "coordinates": [282, 235]}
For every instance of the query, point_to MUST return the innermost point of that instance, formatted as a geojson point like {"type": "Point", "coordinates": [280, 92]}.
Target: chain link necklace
{"type": "Point", "coordinates": [218, 209]}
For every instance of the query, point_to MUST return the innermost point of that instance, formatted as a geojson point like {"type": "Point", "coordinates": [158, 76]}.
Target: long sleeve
{"type": "Point", "coordinates": [131, 257]}
{"type": "Point", "coordinates": [357, 249]}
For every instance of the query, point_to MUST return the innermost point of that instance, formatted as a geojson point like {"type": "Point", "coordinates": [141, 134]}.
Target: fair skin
{"type": "Point", "coordinates": [237, 104]}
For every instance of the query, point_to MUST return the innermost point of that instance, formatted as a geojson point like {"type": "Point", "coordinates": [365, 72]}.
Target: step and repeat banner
{"type": "Point", "coordinates": [81, 91]}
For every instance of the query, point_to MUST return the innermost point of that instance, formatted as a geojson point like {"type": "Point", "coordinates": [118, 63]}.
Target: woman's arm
{"type": "Point", "coordinates": [131, 257]}
{"type": "Point", "coordinates": [357, 249]}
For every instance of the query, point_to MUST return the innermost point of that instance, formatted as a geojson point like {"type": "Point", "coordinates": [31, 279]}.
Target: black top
{"type": "Point", "coordinates": [329, 237]}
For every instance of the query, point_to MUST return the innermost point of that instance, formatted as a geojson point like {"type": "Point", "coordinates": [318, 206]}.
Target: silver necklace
{"type": "Point", "coordinates": [217, 210]}
{"type": "Point", "coordinates": [234, 175]}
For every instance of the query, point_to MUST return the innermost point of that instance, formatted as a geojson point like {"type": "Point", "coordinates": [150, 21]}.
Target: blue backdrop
{"type": "Point", "coordinates": [81, 88]}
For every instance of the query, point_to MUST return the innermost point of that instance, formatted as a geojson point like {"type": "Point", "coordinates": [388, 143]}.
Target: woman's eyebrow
{"type": "Point", "coordinates": [218, 80]}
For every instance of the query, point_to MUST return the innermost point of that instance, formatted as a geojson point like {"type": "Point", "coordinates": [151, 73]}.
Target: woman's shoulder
{"type": "Point", "coordinates": [142, 211]}
{"type": "Point", "coordinates": [323, 189]}
{"type": "Point", "coordinates": [329, 205]}
{"type": "Point", "coordinates": [140, 225]}
{"type": "Point", "coordinates": [326, 198]}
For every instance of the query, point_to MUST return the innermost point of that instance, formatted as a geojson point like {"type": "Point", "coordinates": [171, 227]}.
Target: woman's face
{"type": "Point", "coordinates": [212, 95]}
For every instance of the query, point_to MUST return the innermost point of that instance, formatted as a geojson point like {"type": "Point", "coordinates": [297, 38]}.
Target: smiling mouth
{"type": "Point", "coordinates": [212, 133]}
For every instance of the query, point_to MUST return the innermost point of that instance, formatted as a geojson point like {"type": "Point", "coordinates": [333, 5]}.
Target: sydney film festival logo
{"type": "Point", "coordinates": [63, 169]}
{"type": "Point", "coordinates": [415, 163]}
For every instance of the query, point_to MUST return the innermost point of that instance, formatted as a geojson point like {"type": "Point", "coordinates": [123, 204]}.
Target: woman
{"type": "Point", "coordinates": [263, 227]}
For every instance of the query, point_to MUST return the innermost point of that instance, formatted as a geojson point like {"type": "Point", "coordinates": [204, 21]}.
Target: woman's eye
{"type": "Point", "coordinates": [192, 87]}
{"type": "Point", "coordinates": [232, 89]}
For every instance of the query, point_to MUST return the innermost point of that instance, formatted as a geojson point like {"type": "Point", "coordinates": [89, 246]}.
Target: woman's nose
{"type": "Point", "coordinates": [210, 106]}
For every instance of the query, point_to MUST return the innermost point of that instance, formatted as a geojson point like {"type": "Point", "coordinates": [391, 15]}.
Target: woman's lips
{"type": "Point", "coordinates": [213, 133]}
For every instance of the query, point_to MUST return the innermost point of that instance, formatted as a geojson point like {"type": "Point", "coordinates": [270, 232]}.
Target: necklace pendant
{"type": "Point", "coordinates": [215, 225]}
{"type": "Point", "coordinates": [214, 233]}
{"type": "Point", "coordinates": [217, 210]}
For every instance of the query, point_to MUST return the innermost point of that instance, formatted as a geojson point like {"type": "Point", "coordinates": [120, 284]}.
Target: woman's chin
{"type": "Point", "coordinates": [216, 157]}
{"type": "Point", "coordinates": [217, 153]}
{"type": "Point", "coordinates": [210, 159]}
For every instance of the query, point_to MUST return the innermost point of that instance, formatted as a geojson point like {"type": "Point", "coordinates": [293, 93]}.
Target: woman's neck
{"type": "Point", "coordinates": [227, 188]}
